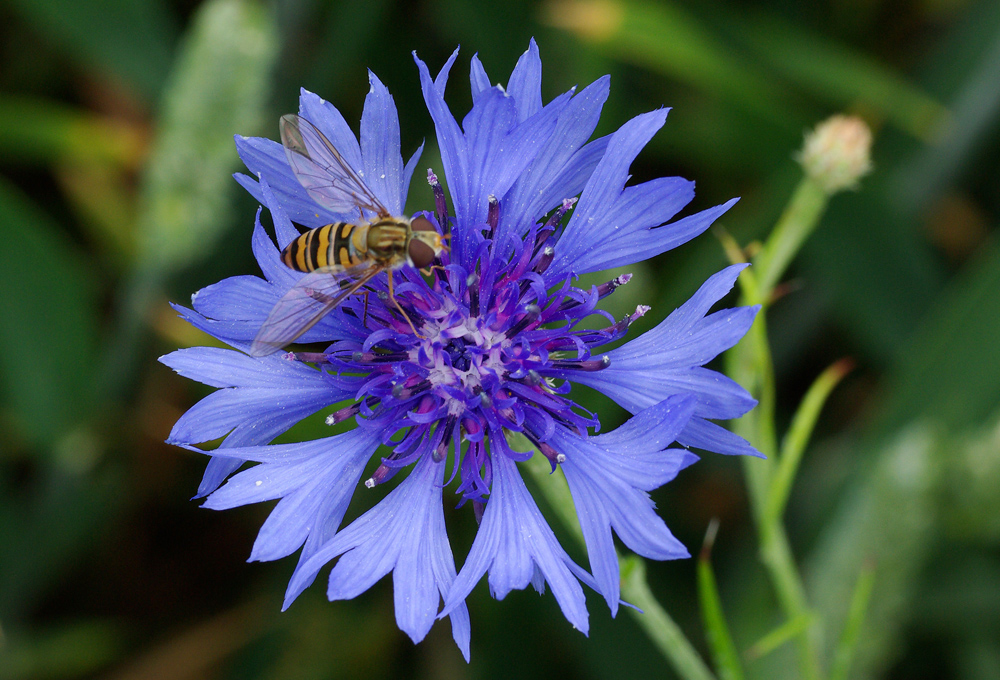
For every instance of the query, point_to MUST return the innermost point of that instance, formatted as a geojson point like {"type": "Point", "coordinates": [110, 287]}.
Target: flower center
{"type": "Point", "coordinates": [497, 345]}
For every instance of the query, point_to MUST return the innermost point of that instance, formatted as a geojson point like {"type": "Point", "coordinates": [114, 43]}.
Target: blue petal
{"type": "Point", "coordinates": [267, 408]}
{"type": "Point", "coordinates": [238, 298]}
{"type": "Point", "coordinates": [488, 157]}
{"type": "Point", "coordinates": [383, 165]}
{"type": "Point", "coordinates": [626, 221]}
{"type": "Point", "coordinates": [564, 163]}
{"type": "Point", "coordinates": [441, 81]}
{"type": "Point", "coordinates": [238, 334]}
{"type": "Point", "coordinates": [609, 476]}
{"type": "Point", "coordinates": [478, 80]}
{"type": "Point", "coordinates": [216, 471]}
{"type": "Point", "coordinates": [513, 540]}
{"type": "Point", "coordinates": [525, 84]}
{"type": "Point", "coordinates": [451, 141]}
{"type": "Point", "coordinates": [285, 231]}
{"type": "Point", "coordinates": [403, 534]}
{"type": "Point", "coordinates": [315, 481]}
{"type": "Point", "coordinates": [666, 360]}
{"type": "Point", "coordinates": [266, 158]}
{"type": "Point", "coordinates": [225, 368]}
{"type": "Point", "coordinates": [703, 434]}
{"type": "Point", "coordinates": [408, 170]}
{"type": "Point", "coordinates": [331, 123]}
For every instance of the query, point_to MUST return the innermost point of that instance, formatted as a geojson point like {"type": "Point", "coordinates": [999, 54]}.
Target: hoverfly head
{"type": "Point", "coordinates": [426, 243]}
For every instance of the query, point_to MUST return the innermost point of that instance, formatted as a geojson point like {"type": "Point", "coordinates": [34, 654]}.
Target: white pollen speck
{"type": "Point", "coordinates": [370, 483]}
{"type": "Point", "coordinates": [561, 458]}
{"type": "Point", "coordinates": [258, 483]}
{"type": "Point", "coordinates": [383, 176]}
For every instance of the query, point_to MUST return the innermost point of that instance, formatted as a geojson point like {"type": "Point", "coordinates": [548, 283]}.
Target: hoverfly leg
{"type": "Point", "coordinates": [400, 308]}
{"type": "Point", "coordinates": [364, 317]}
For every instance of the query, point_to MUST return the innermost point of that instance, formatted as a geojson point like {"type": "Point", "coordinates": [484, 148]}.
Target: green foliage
{"type": "Point", "coordinates": [218, 86]}
{"type": "Point", "coordinates": [864, 547]}
{"type": "Point", "coordinates": [45, 283]}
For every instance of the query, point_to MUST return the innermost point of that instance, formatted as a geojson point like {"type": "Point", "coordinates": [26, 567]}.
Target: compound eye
{"type": "Point", "coordinates": [421, 223]}
{"type": "Point", "coordinates": [421, 254]}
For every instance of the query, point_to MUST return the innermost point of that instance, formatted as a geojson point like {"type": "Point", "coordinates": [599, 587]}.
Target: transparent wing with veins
{"type": "Point", "coordinates": [313, 297]}
{"type": "Point", "coordinates": [326, 176]}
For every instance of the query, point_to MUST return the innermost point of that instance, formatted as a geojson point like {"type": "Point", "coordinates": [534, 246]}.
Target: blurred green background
{"type": "Point", "coordinates": [116, 124]}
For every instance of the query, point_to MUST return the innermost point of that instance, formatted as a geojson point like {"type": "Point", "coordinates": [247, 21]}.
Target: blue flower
{"type": "Point", "coordinates": [534, 203]}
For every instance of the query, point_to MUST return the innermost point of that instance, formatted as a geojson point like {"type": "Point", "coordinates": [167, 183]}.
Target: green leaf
{"type": "Point", "coordinates": [720, 642]}
{"type": "Point", "coordinates": [951, 370]}
{"type": "Point", "coordinates": [41, 131]}
{"type": "Point", "coordinates": [844, 652]}
{"type": "Point", "coordinates": [47, 337]}
{"type": "Point", "coordinates": [797, 438]}
{"type": "Point", "coordinates": [74, 650]}
{"type": "Point", "coordinates": [836, 74]}
{"type": "Point", "coordinates": [664, 37]}
{"type": "Point", "coordinates": [218, 88]}
{"type": "Point", "coordinates": [789, 630]}
{"type": "Point", "coordinates": [887, 517]}
{"type": "Point", "coordinates": [133, 40]}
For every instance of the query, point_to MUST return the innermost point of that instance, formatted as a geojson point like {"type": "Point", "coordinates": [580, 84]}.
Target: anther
{"type": "Point", "coordinates": [492, 214]}
{"type": "Point", "coordinates": [545, 259]}
{"type": "Point", "coordinates": [557, 216]}
{"type": "Point", "coordinates": [360, 357]}
{"type": "Point", "coordinates": [589, 365]}
{"type": "Point", "coordinates": [550, 230]}
{"type": "Point", "coordinates": [401, 391]}
{"type": "Point", "coordinates": [472, 285]}
{"type": "Point", "coordinates": [553, 456]}
{"type": "Point", "coordinates": [382, 474]}
{"type": "Point", "coordinates": [309, 357]}
{"type": "Point", "coordinates": [607, 288]}
{"type": "Point", "coordinates": [442, 448]}
{"type": "Point", "coordinates": [348, 411]}
{"type": "Point", "coordinates": [440, 206]}
{"type": "Point", "coordinates": [531, 313]}
{"type": "Point", "coordinates": [603, 290]}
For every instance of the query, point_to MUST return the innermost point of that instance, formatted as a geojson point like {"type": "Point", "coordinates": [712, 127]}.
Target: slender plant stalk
{"type": "Point", "coordinates": [751, 365]}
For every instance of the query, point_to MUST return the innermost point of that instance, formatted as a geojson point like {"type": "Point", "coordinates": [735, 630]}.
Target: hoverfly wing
{"type": "Point", "coordinates": [326, 176]}
{"type": "Point", "coordinates": [315, 295]}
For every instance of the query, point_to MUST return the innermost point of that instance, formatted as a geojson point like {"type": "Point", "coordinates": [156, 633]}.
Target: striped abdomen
{"type": "Point", "coordinates": [340, 244]}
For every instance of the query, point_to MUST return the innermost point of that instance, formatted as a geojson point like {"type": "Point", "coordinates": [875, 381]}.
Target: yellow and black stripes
{"type": "Point", "coordinates": [344, 251]}
{"type": "Point", "coordinates": [326, 246]}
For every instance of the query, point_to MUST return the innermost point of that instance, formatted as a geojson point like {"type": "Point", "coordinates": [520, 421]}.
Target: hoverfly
{"type": "Point", "coordinates": [339, 258]}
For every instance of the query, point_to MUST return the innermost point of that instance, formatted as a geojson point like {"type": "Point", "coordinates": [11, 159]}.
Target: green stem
{"type": "Point", "coordinates": [848, 644]}
{"type": "Point", "coordinates": [797, 438]}
{"type": "Point", "coordinates": [750, 364]}
{"type": "Point", "coordinates": [657, 624]}
{"type": "Point", "coordinates": [795, 225]}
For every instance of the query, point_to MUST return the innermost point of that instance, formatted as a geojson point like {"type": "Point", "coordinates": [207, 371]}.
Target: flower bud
{"type": "Point", "coordinates": [838, 153]}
